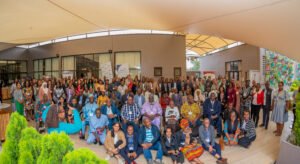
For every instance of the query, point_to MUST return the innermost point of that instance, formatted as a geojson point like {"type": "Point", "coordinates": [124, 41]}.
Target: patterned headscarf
{"type": "Point", "coordinates": [184, 123]}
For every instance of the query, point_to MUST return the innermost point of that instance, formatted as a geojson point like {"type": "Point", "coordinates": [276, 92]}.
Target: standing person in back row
{"type": "Point", "coordinates": [280, 106]}
{"type": "Point", "coordinates": [267, 105]}
{"type": "Point", "coordinates": [257, 102]}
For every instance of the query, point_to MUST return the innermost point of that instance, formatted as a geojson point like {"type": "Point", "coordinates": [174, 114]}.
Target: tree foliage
{"type": "Point", "coordinates": [54, 147]}
{"type": "Point", "coordinates": [82, 155]}
{"type": "Point", "coordinates": [10, 152]}
{"type": "Point", "coordinates": [29, 146]}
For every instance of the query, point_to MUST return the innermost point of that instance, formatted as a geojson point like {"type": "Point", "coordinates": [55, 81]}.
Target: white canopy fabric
{"type": "Point", "coordinates": [272, 24]}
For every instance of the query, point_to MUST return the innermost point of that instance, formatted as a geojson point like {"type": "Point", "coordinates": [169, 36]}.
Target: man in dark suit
{"type": "Point", "coordinates": [81, 99]}
{"type": "Point", "coordinates": [212, 111]}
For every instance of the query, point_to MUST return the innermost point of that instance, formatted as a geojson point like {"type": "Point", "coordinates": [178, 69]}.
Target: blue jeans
{"type": "Point", "coordinates": [218, 124]}
{"type": "Point", "coordinates": [159, 153]}
{"type": "Point", "coordinates": [217, 150]}
{"type": "Point", "coordinates": [84, 124]}
{"type": "Point", "coordinates": [124, 153]}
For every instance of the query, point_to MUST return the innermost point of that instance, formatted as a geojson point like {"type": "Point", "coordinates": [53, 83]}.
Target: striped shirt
{"type": "Point", "coordinates": [149, 135]}
{"type": "Point", "coordinates": [249, 128]}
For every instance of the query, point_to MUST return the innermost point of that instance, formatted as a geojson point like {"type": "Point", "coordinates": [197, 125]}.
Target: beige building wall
{"type": "Point", "coordinates": [166, 51]}
{"type": "Point", "coordinates": [248, 54]}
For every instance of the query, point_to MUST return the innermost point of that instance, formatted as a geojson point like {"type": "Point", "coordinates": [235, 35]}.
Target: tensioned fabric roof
{"type": "Point", "coordinates": [203, 44]}
{"type": "Point", "coordinates": [273, 24]}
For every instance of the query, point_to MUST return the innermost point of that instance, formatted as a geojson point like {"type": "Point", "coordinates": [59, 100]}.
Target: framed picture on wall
{"type": "Point", "coordinates": [177, 71]}
{"type": "Point", "coordinates": [157, 71]}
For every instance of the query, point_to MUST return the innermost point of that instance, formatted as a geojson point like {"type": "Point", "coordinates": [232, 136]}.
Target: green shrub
{"type": "Point", "coordinates": [29, 146]}
{"type": "Point", "coordinates": [296, 129]}
{"type": "Point", "coordinates": [54, 147]}
{"type": "Point", "coordinates": [82, 155]}
{"type": "Point", "coordinates": [10, 151]}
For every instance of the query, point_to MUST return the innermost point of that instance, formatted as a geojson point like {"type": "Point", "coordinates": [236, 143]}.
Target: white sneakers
{"type": "Point", "coordinates": [107, 158]}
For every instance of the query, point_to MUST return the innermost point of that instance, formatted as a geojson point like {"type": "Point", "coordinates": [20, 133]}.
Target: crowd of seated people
{"type": "Point", "coordinates": [178, 118]}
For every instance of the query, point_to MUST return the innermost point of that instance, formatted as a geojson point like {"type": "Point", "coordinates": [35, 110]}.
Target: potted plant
{"type": "Point", "coordinates": [290, 145]}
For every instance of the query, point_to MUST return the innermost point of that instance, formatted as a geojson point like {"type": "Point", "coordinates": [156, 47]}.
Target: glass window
{"type": "Point", "coordinates": [68, 63]}
{"type": "Point", "coordinates": [23, 66]}
{"type": "Point", "coordinates": [55, 64]}
{"type": "Point", "coordinates": [10, 70]}
{"type": "Point", "coordinates": [55, 74]}
{"type": "Point", "coordinates": [100, 59]}
{"type": "Point", "coordinates": [233, 69]}
{"type": "Point", "coordinates": [41, 65]}
{"type": "Point", "coordinates": [48, 64]}
{"type": "Point", "coordinates": [133, 59]}
{"type": "Point", "coordinates": [35, 65]}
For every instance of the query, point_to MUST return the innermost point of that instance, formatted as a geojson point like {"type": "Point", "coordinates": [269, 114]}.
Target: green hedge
{"type": "Point", "coordinates": [54, 147]}
{"type": "Point", "coordinates": [296, 128]}
{"type": "Point", "coordinates": [82, 155]}
{"type": "Point", "coordinates": [25, 145]}
{"type": "Point", "coordinates": [10, 151]}
{"type": "Point", "coordinates": [29, 146]}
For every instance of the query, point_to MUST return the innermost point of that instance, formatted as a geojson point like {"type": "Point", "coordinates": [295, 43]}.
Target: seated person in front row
{"type": "Point", "coordinates": [111, 112]}
{"type": "Point", "coordinates": [248, 133]}
{"type": "Point", "coordinates": [207, 139]}
{"type": "Point", "coordinates": [191, 112]}
{"type": "Point", "coordinates": [88, 112]}
{"type": "Point", "coordinates": [114, 142]}
{"type": "Point", "coordinates": [232, 129]}
{"type": "Point", "coordinates": [212, 111]}
{"type": "Point", "coordinates": [191, 150]}
{"type": "Point", "coordinates": [152, 110]}
{"type": "Point", "coordinates": [228, 110]}
{"type": "Point", "coordinates": [170, 146]}
{"type": "Point", "coordinates": [172, 116]}
{"type": "Point", "coordinates": [40, 108]}
{"type": "Point", "coordinates": [149, 136]}
{"type": "Point", "coordinates": [98, 127]}
{"type": "Point", "coordinates": [132, 150]}
{"type": "Point", "coordinates": [55, 119]}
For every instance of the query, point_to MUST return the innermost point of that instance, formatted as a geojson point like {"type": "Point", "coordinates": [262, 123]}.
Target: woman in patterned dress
{"type": "Point", "coordinates": [19, 99]}
{"type": "Point", "coordinates": [280, 106]}
{"type": "Point", "coordinates": [28, 92]}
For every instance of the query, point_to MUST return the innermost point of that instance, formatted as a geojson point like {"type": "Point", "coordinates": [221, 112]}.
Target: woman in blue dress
{"type": "Point", "coordinates": [280, 107]}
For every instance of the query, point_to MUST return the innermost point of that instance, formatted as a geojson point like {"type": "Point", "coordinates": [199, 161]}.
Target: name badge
{"type": "Point", "coordinates": [207, 140]}
{"type": "Point", "coordinates": [211, 109]}
{"type": "Point", "coordinates": [91, 114]}
{"type": "Point", "coordinates": [190, 113]}
{"type": "Point", "coordinates": [130, 112]}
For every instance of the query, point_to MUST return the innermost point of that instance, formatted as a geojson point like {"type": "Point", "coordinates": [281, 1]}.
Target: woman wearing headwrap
{"type": "Point", "coordinates": [188, 145]}
{"type": "Point", "coordinates": [44, 90]}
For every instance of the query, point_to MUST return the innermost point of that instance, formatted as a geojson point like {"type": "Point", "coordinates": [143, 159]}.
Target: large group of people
{"type": "Point", "coordinates": [178, 118]}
